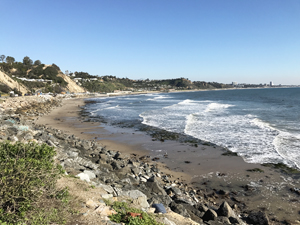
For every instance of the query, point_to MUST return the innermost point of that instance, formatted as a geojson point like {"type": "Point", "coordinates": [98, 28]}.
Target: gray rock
{"type": "Point", "coordinates": [223, 220]}
{"type": "Point", "coordinates": [135, 171]}
{"type": "Point", "coordinates": [225, 210]}
{"type": "Point", "coordinates": [134, 194]}
{"type": "Point", "coordinates": [28, 136]}
{"type": "Point", "coordinates": [12, 131]}
{"type": "Point", "coordinates": [180, 209]}
{"type": "Point", "coordinates": [164, 199]}
{"type": "Point", "coordinates": [258, 218]}
{"type": "Point", "coordinates": [90, 174]}
{"type": "Point", "coordinates": [84, 177]}
{"type": "Point", "coordinates": [176, 190]}
{"type": "Point", "coordinates": [106, 196]}
{"type": "Point", "coordinates": [210, 215]}
{"type": "Point", "coordinates": [50, 143]}
{"type": "Point", "coordinates": [183, 199]}
{"type": "Point", "coordinates": [116, 165]}
{"type": "Point", "coordinates": [168, 222]}
{"type": "Point", "coordinates": [141, 201]}
{"type": "Point", "coordinates": [12, 138]}
{"type": "Point", "coordinates": [107, 188]}
{"type": "Point", "coordinates": [126, 180]}
{"type": "Point", "coordinates": [154, 186]}
{"type": "Point", "coordinates": [202, 208]}
{"type": "Point", "coordinates": [72, 154]}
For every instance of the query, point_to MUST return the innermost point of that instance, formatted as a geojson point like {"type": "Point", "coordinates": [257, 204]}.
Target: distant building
{"type": "Point", "coordinates": [234, 83]}
{"type": "Point", "coordinates": [271, 84]}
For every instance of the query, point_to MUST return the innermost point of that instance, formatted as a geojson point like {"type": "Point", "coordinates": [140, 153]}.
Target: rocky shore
{"type": "Point", "coordinates": [124, 176]}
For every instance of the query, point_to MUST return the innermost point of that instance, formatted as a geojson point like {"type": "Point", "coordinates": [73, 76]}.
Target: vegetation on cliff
{"type": "Point", "coordinates": [38, 77]}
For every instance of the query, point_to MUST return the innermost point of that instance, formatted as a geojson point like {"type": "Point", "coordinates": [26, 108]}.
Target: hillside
{"type": "Point", "coordinates": [35, 77]}
{"type": "Point", "coordinates": [71, 86]}
{"type": "Point", "coordinates": [29, 78]}
{"type": "Point", "coordinates": [7, 80]}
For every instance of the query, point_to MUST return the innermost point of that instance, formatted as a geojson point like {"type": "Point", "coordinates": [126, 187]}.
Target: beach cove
{"type": "Point", "coordinates": [219, 189]}
{"type": "Point", "coordinates": [250, 187]}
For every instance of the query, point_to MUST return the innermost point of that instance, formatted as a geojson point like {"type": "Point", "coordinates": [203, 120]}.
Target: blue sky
{"type": "Point", "coordinates": [247, 41]}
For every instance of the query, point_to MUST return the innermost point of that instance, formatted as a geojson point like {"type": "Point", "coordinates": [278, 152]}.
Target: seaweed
{"type": "Point", "coordinates": [284, 168]}
{"type": "Point", "coordinates": [256, 170]}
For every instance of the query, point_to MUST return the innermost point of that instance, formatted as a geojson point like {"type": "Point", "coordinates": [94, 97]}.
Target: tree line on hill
{"type": "Point", "coordinates": [36, 70]}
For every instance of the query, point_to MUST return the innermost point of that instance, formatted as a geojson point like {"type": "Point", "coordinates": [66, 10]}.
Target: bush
{"type": "Point", "coordinates": [123, 215]}
{"type": "Point", "coordinates": [4, 88]}
{"type": "Point", "coordinates": [28, 177]}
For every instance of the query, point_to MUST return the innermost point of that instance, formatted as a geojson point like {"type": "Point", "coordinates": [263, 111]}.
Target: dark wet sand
{"type": "Point", "coordinates": [208, 169]}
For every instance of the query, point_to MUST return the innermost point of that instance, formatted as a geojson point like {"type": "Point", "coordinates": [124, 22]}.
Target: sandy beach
{"type": "Point", "coordinates": [248, 186]}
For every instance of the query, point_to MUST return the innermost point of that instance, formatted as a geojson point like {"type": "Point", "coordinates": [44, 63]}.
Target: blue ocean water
{"type": "Point", "coordinates": [261, 125]}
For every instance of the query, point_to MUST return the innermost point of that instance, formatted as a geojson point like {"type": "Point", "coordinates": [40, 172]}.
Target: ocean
{"type": "Point", "coordinates": [260, 125]}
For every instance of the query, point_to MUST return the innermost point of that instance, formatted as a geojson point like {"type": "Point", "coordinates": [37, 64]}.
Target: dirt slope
{"type": "Point", "coordinates": [72, 86]}
{"type": "Point", "coordinates": [4, 78]}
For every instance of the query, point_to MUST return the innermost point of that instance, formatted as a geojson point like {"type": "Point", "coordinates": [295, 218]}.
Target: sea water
{"type": "Point", "coordinates": [261, 125]}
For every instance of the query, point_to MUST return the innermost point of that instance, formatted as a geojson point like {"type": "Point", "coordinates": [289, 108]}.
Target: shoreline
{"type": "Point", "coordinates": [224, 174]}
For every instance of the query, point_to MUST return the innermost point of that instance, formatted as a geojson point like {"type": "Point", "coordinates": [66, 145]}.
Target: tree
{"type": "Point", "coordinates": [2, 57]}
{"type": "Point", "coordinates": [37, 62]}
{"type": "Point", "coordinates": [27, 61]}
{"type": "Point", "coordinates": [10, 60]}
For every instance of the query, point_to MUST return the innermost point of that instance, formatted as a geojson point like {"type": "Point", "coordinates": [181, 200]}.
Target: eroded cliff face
{"type": "Point", "coordinates": [72, 86]}
{"type": "Point", "coordinates": [5, 79]}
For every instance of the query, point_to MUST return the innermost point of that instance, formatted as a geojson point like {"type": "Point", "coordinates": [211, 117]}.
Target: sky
{"type": "Point", "coordinates": [246, 41]}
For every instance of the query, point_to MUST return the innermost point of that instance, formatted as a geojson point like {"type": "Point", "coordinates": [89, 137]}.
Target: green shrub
{"type": "Point", "coordinates": [122, 216]}
{"type": "Point", "coordinates": [28, 177]}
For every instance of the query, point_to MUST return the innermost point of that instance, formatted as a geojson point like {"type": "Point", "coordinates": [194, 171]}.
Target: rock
{"type": "Point", "coordinates": [126, 180]}
{"type": "Point", "coordinates": [225, 210]}
{"type": "Point", "coordinates": [141, 202]}
{"type": "Point", "coordinates": [12, 131]}
{"type": "Point", "coordinates": [168, 222]}
{"type": "Point", "coordinates": [134, 194]}
{"type": "Point", "coordinates": [107, 188]}
{"type": "Point", "coordinates": [164, 199]}
{"type": "Point", "coordinates": [210, 215]}
{"type": "Point", "coordinates": [258, 218]}
{"type": "Point", "coordinates": [105, 211]}
{"type": "Point", "coordinates": [91, 204]}
{"type": "Point", "coordinates": [225, 220]}
{"type": "Point", "coordinates": [28, 137]}
{"type": "Point", "coordinates": [154, 186]}
{"type": "Point", "coordinates": [13, 138]}
{"type": "Point", "coordinates": [106, 196]}
{"type": "Point", "coordinates": [176, 190]}
{"type": "Point", "coordinates": [136, 171]}
{"type": "Point", "coordinates": [151, 210]}
{"type": "Point", "coordinates": [50, 143]}
{"type": "Point", "coordinates": [142, 179]}
{"type": "Point", "coordinates": [116, 165]}
{"type": "Point", "coordinates": [84, 177]}
{"type": "Point", "coordinates": [183, 199]}
{"type": "Point", "coordinates": [90, 174]}
{"type": "Point", "coordinates": [179, 209]}
{"type": "Point", "coordinates": [72, 154]}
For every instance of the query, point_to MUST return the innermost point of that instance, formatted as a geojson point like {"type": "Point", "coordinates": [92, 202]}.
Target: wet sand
{"type": "Point", "coordinates": [204, 166]}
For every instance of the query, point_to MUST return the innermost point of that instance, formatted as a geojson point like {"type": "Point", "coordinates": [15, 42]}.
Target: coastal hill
{"type": "Point", "coordinates": [28, 77]}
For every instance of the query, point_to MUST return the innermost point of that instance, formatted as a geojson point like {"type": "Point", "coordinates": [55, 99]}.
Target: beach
{"type": "Point", "coordinates": [246, 186]}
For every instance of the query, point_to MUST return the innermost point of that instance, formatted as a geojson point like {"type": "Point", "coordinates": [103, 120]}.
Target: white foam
{"type": "Point", "coordinates": [287, 145]}
{"type": "Point", "coordinates": [217, 106]}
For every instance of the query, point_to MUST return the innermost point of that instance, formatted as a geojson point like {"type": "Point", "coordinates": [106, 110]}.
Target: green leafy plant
{"type": "Point", "coordinates": [28, 177]}
{"type": "Point", "coordinates": [124, 215]}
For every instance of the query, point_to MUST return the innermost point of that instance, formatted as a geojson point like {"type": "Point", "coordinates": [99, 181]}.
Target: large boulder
{"type": "Point", "coordinates": [210, 215]}
{"type": "Point", "coordinates": [258, 218]}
